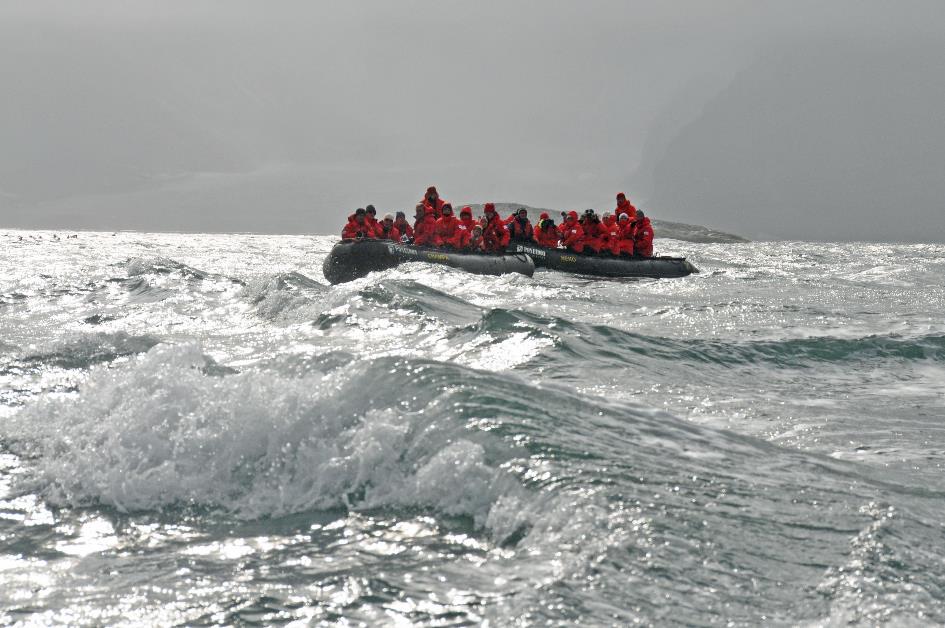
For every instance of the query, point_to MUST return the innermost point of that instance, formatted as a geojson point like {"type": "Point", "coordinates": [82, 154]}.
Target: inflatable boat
{"type": "Point", "coordinates": [352, 259]}
{"type": "Point", "coordinates": [606, 265]}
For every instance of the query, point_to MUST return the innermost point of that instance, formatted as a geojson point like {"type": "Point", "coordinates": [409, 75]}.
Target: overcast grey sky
{"type": "Point", "coordinates": [284, 116]}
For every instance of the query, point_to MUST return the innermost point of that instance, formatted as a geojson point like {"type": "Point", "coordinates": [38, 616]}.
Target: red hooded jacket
{"type": "Point", "coordinates": [424, 231]}
{"type": "Point", "coordinates": [624, 207]}
{"type": "Point", "coordinates": [494, 233]}
{"type": "Point", "coordinates": [546, 236]}
{"type": "Point", "coordinates": [384, 233]}
{"type": "Point", "coordinates": [593, 232]}
{"type": "Point", "coordinates": [643, 238]}
{"type": "Point", "coordinates": [572, 234]}
{"type": "Point", "coordinates": [614, 238]}
{"type": "Point", "coordinates": [435, 207]}
{"type": "Point", "coordinates": [464, 229]}
{"type": "Point", "coordinates": [446, 228]}
{"type": "Point", "coordinates": [355, 230]}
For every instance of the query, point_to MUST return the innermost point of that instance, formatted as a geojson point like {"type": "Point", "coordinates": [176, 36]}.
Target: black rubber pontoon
{"type": "Point", "coordinates": [352, 259]}
{"type": "Point", "coordinates": [605, 265]}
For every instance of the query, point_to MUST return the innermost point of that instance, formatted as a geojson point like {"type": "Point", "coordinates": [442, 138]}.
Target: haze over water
{"type": "Point", "coordinates": [797, 120]}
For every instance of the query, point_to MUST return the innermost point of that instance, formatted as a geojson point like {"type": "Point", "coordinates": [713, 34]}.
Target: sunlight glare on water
{"type": "Point", "coordinates": [198, 429]}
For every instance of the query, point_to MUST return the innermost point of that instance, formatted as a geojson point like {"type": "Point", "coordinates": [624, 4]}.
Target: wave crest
{"type": "Point", "coordinates": [164, 433]}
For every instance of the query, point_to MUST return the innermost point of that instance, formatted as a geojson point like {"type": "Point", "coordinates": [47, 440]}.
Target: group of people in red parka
{"type": "Point", "coordinates": [624, 232]}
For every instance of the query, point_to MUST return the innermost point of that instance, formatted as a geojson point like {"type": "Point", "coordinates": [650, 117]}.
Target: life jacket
{"type": "Point", "coordinates": [520, 231]}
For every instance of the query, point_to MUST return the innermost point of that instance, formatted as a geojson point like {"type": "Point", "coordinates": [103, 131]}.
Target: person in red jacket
{"type": "Point", "coordinates": [424, 229]}
{"type": "Point", "coordinates": [643, 236]}
{"type": "Point", "coordinates": [624, 207]}
{"type": "Point", "coordinates": [494, 232]}
{"type": "Point", "coordinates": [371, 217]}
{"type": "Point", "coordinates": [476, 243]}
{"type": "Point", "coordinates": [464, 227]}
{"type": "Point", "coordinates": [572, 235]}
{"type": "Point", "coordinates": [593, 231]}
{"type": "Point", "coordinates": [357, 227]}
{"type": "Point", "coordinates": [406, 231]}
{"type": "Point", "coordinates": [520, 229]}
{"type": "Point", "coordinates": [546, 233]}
{"type": "Point", "coordinates": [446, 227]}
{"type": "Point", "coordinates": [433, 202]}
{"type": "Point", "coordinates": [386, 230]}
{"type": "Point", "coordinates": [611, 236]}
{"type": "Point", "coordinates": [627, 230]}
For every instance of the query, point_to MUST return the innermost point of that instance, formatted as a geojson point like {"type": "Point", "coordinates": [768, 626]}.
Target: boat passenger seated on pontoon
{"type": "Point", "coordinates": [424, 229]}
{"type": "Point", "coordinates": [386, 230]}
{"type": "Point", "coordinates": [614, 240]}
{"type": "Point", "coordinates": [357, 228]}
{"type": "Point", "coordinates": [371, 217]}
{"type": "Point", "coordinates": [494, 233]}
{"type": "Point", "coordinates": [593, 231]}
{"type": "Point", "coordinates": [572, 234]}
{"type": "Point", "coordinates": [627, 229]}
{"type": "Point", "coordinates": [406, 231]}
{"type": "Point", "coordinates": [520, 229]}
{"type": "Point", "coordinates": [464, 227]}
{"type": "Point", "coordinates": [643, 236]}
{"type": "Point", "coordinates": [476, 243]}
{"type": "Point", "coordinates": [446, 227]}
{"type": "Point", "coordinates": [546, 233]}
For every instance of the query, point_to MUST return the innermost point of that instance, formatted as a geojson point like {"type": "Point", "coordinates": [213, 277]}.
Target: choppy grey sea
{"type": "Point", "coordinates": [198, 430]}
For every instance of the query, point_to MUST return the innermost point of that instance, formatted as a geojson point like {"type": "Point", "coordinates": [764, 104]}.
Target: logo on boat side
{"type": "Point", "coordinates": [394, 248]}
{"type": "Point", "coordinates": [530, 250]}
{"type": "Point", "coordinates": [438, 256]}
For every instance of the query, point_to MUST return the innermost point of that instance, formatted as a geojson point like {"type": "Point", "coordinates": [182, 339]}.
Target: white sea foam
{"type": "Point", "coordinates": [161, 432]}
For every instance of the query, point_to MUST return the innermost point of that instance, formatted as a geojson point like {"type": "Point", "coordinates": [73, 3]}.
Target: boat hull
{"type": "Point", "coordinates": [352, 259]}
{"type": "Point", "coordinates": [606, 266]}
